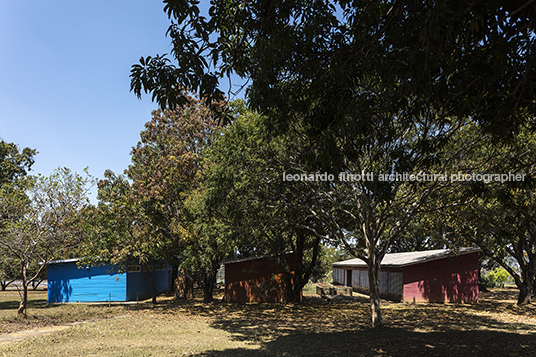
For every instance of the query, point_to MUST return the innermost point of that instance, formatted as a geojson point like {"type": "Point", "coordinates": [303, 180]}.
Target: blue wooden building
{"type": "Point", "coordinates": [68, 282]}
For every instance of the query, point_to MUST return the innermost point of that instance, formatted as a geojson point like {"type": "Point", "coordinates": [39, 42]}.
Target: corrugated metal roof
{"type": "Point", "coordinates": [240, 260]}
{"type": "Point", "coordinates": [403, 259]}
{"type": "Point", "coordinates": [61, 261]}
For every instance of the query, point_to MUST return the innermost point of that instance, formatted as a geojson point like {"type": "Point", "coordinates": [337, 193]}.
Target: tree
{"type": "Point", "coordinates": [245, 190]}
{"type": "Point", "coordinates": [496, 278]}
{"type": "Point", "coordinates": [43, 218]}
{"type": "Point", "coordinates": [211, 241]}
{"type": "Point", "coordinates": [471, 58]}
{"type": "Point", "coordinates": [329, 256]}
{"type": "Point", "coordinates": [358, 209]}
{"type": "Point", "coordinates": [9, 271]}
{"type": "Point", "coordinates": [14, 164]}
{"type": "Point", "coordinates": [504, 228]}
{"type": "Point", "coordinates": [388, 175]}
{"type": "Point", "coordinates": [492, 207]}
{"type": "Point", "coordinates": [167, 167]}
{"type": "Point", "coordinates": [422, 233]}
{"type": "Point", "coordinates": [120, 230]}
{"type": "Point", "coordinates": [499, 212]}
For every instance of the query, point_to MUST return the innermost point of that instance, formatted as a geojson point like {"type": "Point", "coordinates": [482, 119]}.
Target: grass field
{"type": "Point", "coordinates": [41, 314]}
{"type": "Point", "coordinates": [493, 327]}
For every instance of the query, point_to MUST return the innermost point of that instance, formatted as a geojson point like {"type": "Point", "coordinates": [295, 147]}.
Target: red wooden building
{"type": "Point", "coordinates": [429, 276]}
{"type": "Point", "coordinates": [256, 280]}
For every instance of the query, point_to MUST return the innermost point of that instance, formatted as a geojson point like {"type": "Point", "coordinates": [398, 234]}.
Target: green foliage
{"type": "Point", "coordinates": [14, 163]}
{"type": "Point", "coordinates": [41, 212]}
{"type": "Point", "coordinates": [328, 255]}
{"type": "Point", "coordinates": [167, 166]}
{"type": "Point", "coordinates": [496, 216]}
{"type": "Point", "coordinates": [158, 210]}
{"type": "Point", "coordinates": [42, 218]}
{"type": "Point", "coordinates": [211, 240]}
{"type": "Point", "coordinates": [246, 189]}
{"type": "Point", "coordinates": [332, 55]}
{"type": "Point", "coordinates": [9, 271]}
{"type": "Point", "coordinates": [496, 278]}
{"type": "Point", "coordinates": [120, 230]}
{"type": "Point", "coordinates": [118, 227]}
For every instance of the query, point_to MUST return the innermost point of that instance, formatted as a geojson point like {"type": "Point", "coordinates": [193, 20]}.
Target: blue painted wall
{"type": "Point", "coordinates": [69, 283]}
{"type": "Point", "coordinates": [138, 286]}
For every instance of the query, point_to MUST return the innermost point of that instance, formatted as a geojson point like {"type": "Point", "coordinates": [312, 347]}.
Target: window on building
{"type": "Point", "coordinates": [133, 268]}
{"type": "Point", "coordinates": [161, 266]}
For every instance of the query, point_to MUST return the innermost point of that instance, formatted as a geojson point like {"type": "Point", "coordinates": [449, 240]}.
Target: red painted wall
{"type": "Point", "coordinates": [256, 280]}
{"type": "Point", "coordinates": [452, 279]}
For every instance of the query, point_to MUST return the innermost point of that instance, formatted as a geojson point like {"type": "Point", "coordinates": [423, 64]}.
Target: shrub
{"type": "Point", "coordinates": [495, 278]}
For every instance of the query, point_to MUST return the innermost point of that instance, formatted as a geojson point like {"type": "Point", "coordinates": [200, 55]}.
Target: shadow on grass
{"type": "Point", "coordinates": [341, 327]}
{"type": "Point", "coordinates": [10, 299]}
{"type": "Point", "coordinates": [317, 328]}
{"type": "Point", "coordinates": [9, 305]}
{"type": "Point", "coordinates": [391, 342]}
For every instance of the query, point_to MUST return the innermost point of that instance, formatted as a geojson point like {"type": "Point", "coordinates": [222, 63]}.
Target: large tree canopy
{"type": "Point", "coordinates": [14, 163]}
{"type": "Point", "coordinates": [468, 58]}
{"type": "Point", "coordinates": [167, 168]}
{"type": "Point", "coordinates": [245, 189]}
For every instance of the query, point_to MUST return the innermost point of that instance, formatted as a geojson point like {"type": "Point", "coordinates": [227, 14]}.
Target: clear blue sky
{"type": "Point", "coordinates": [64, 78]}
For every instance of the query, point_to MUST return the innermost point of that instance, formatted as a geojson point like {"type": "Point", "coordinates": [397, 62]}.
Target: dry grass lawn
{"type": "Point", "coordinates": [41, 314]}
{"type": "Point", "coordinates": [493, 327]}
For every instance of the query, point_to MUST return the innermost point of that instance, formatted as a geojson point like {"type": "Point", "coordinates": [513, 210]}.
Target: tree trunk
{"type": "Point", "coordinates": [526, 287]}
{"type": "Point", "coordinates": [525, 282]}
{"type": "Point", "coordinates": [36, 283]}
{"type": "Point", "coordinates": [295, 283]}
{"type": "Point", "coordinates": [5, 284]}
{"type": "Point", "coordinates": [297, 295]}
{"type": "Point", "coordinates": [374, 291]}
{"type": "Point", "coordinates": [291, 287]}
{"type": "Point", "coordinates": [183, 284]}
{"type": "Point", "coordinates": [302, 272]}
{"type": "Point", "coordinates": [209, 279]}
{"type": "Point", "coordinates": [525, 295]}
{"type": "Point", "coordinates": [153, 288]}
{"type": "Point", "coordinates": [174, 276]}
{"type": "Point", "coordinates": [21, 311]}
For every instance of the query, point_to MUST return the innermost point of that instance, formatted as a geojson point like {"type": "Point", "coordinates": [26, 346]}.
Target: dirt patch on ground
{"type": "Point", "coordinates": [22, 335]}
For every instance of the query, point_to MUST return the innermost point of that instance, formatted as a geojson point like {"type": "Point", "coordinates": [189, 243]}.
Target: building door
{"type": "Point", "coordinates": [349, 277]}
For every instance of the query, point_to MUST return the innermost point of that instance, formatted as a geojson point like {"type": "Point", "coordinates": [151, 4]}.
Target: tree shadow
{"type": "Point", "coordinates": [60, 290]}
{"type": "Point", "coordinates": [319, 328]}
{"type": "Point", "coordinates": [459, 287]}
{"type": "Point", "coordinates": [9, 305]}
{"type": "Point", "coordinates": [12, 300]}
{"type": "Point", "coordinates": [390, 342]}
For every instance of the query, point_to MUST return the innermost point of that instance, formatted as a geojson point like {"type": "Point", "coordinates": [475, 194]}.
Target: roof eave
{"type": "Point", "coordinates": [468, 250]}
